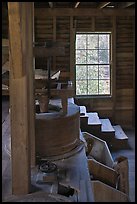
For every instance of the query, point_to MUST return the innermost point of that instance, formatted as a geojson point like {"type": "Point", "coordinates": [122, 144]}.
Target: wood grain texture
{"type": "Point", "coordinates": [15, 29]}
{"type": "Point", "coordinates": [83, 12]}
{"type": "Point", "coordinates": [105, 193]}
{"type": "Point", "coordinates": [57, 134]}
{"type": "Point", "coordinates": [121, 23]}
{"type": "Point", "coordinates": [21, 94]}
{"type": "Point", "coordinates": [103, 173]}
{"type": "Point", "coordinates": [6, 179]}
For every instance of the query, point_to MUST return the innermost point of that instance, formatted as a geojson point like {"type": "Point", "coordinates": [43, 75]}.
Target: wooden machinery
{"type": "Point", "coordinates": [58, 139]}
{"type": "Point", "coordinates": [54, 139]}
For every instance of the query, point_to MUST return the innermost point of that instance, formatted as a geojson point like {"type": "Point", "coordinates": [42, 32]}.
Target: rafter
{"type": "Point", "coordinates": [103, 4]}
{"type": "Point", "coordinates": [77, 4]}
{"type": "Point", "coordinates": [50, 4]}
{"type": "Point", "coordinates": [126, 4]}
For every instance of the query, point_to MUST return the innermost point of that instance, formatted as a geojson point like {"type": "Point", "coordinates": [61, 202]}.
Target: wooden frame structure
{"type": "Point", "coordinates": [83, 12]}
{"type": "Point", "coordinates": [22, 111]}
{"type": "Point", "coordinates": [22, 77]}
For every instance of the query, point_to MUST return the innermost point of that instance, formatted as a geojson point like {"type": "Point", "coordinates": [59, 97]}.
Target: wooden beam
{"type": "Point", "coordinates": [72, 51]}
{"type": "Point", "coordinates": [50, 4]}
{"type": "Point", "coordinates": [15, 42]}
{"type": "Point", "coordinates": [54, 40]}
{"type": "Point", "coordinates": [103, 4]}
{"type": "Point", "coordinates": [31, 77]}
{"type": "Point", "coordinates": [21, 93]}
{"type": "Point", "coordinates": [134, 88]}
{"type": "Point", "coordinates": [32, 97]}
{"type": "Point", "coordinates": [43, 12]}
{"type": "Point", "coordinates": [113, 50]}
{"type": "Point", "coordinates": [77, 4]}
{"type": "Point", "coordinates": [47, 52]}
{"type": "Point", "coordinates": [126, 4]}
{"type": "Point", "coordinates": [20, 154]}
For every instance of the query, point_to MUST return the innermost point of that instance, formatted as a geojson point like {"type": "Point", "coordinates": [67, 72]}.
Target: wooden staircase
{"type": "Point", "coordinates": [102, 128]}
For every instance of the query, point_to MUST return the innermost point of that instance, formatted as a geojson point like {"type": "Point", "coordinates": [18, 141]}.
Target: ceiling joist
{"type": "Point", "coordinates": [126, 4]}
{"type": "Point", "coordinates": [77, 4]}
{"type": "Point", "coordinates": [103, 4]}
{"type": "Point", "coordinates": [50, 4]}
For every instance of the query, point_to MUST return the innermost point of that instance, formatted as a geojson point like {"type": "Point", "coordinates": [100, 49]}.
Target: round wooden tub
{"type": "Point", "coordinates": [57, 134]}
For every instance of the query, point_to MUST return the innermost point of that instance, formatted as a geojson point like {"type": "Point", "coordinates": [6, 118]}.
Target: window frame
{"type": "Point", "coordinates": [110, 65]}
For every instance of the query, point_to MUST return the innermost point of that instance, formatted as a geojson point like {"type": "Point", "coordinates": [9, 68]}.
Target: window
{"type": "Point", "coordinates": [93, 64]}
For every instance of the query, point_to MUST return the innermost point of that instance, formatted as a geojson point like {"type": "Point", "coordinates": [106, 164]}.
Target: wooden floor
{"type": "Point", "coordinates": [6, 160]}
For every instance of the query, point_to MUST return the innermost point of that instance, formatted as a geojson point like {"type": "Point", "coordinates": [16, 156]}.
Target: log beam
{"type": "Point", "coordinates": [43, 12]}
{"type": "Point", "coordinates": [21, 93]}
{"type": "Point", "coordinates": [103, 4]}
{"type": "Point", "coordinates": [77, 4]}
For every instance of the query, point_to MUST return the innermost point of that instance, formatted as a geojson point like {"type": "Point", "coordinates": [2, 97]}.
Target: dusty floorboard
{"type": "Point", "coordinates": [6, 162]}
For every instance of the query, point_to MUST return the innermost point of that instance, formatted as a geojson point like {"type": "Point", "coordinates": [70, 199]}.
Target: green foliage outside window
{"type": "Point", "coordinates": [93, 64]}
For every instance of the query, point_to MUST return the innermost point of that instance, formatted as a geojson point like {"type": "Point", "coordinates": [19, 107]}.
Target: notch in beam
{"type": "Point", "coordinates": [103, 4]}
{"type": "Point", "coordinates": [77, 4]}
{"type": "Point", "coordinates": [50, 4]}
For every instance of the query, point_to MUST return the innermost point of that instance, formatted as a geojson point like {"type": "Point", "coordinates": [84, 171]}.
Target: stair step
{"type": "Point", "coordinates": [83, 111]}
{"type": "Point", "coordinates": [93, 119]}
{"type": "Point", "coordinates": [119, 133]}
{"type": "Point", "coordinates": [83, 118]}
{"type": "Point", "coordinates": [106, 126]}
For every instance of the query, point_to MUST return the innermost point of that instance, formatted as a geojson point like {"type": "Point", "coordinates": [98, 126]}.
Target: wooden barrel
{"type": "Point", "coordinates": [57, 134]}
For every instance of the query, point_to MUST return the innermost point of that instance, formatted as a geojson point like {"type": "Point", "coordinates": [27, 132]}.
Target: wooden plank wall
{"type": "Point", "coordinates": [54, 29]}
{"type": "Point", "coordinates": [43, 30]}
{"type": "Point", "coordinates": [119, 108]}
{"type": "Point", "coordinates": [55, 25]}
{"type": "Point", "coordinates": [124, 70]}
{"type": "Point", "coordinates": [63, 36]}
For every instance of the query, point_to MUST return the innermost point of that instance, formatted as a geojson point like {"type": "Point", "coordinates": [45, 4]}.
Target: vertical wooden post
{"type": "Point", "coordinates": [64, 101]}
{"type": "Point", "coordinates": [33, 155]}
{"type": "Point", "coordinates": [133, 110]}
{"type": "Point", "coordinates": [72, 51]}
{"type": "Point", "coordinates": [31, 76]}
{"type": "Point", "coordinates": [113, 64]}
{"type": "Point", "coordinates": [21, 93]}
{"type": "Point", "coordinates": [54, 39]}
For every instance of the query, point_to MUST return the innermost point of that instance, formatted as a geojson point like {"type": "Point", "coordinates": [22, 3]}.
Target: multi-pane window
{"type": "Point", "coordinates": [93, 64]}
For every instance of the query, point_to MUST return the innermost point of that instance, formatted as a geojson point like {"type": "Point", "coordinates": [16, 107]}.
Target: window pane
{"type": "Point", "coordinates": [81, 72]}
{"type": "Point", "coordinates": [93, 72]}
{"type": "Point", "coordinates": [81, 42]}
{"type": "Point", "coordinates": [92, 42]}
{"type": "Point", "coordinates": [103, 41]}
{"type": "Point", "coordinates": [103, 56]}
{"type": "Point", "coordinates": [92, 87]}
{"type": "Point", "coordinates": [81, 87]}
{"type": "Point", "coordinates": [92, 57]}
{"type": "Point", "coordinates": [93, 64]}
{"type": "Point", "coordinates": [104, 87]}
{"type": "Point", "coordinates": [80, 57]}
{"type": "Point", "coordinates": [104, 72]}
